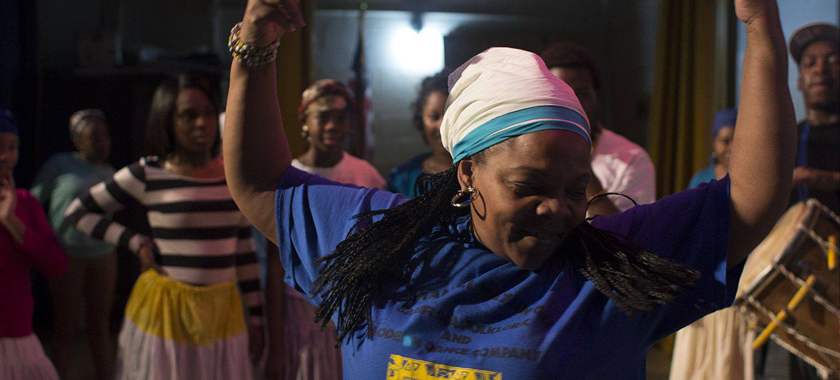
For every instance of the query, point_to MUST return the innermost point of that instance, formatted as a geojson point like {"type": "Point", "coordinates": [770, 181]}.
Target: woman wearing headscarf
{"type": "Point", "coordinates": [492, 271]}
{"type": "Point", "coordinates": [26, 242]}
{"type": "Point", "coordinates": [298, 348]}
{"type": "Point", "coordinates": [196, 310]}
{"type": "Point", "coordinates": [723, 130]}
{"type": "Point", "coordinates": [427, 114]}
{"type": "Point", "coordinates": [92, 263]}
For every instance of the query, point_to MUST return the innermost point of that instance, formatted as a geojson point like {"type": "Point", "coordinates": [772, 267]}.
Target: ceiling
{"type": "Point", "coordinates": [496, 7]}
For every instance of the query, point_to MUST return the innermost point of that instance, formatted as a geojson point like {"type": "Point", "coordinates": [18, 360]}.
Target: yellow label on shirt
{"type": "Point", "coordinates": [403, 368]}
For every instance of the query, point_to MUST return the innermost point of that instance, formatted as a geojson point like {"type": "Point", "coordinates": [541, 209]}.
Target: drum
{"type": "Point", "coordinates": [790, 287]}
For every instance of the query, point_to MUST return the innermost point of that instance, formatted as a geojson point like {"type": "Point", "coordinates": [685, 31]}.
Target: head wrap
{"type": "Point", "coordinates": [316, 95]}
{"type": "Point", "coordinates": [503, 93]}
{"type": "Point", "coordinates": [8, 123]}
{"type": "Point", "coordinates": [724, 118]}
{"type": "Point", "coordinates": [809, 33]}
{"type": "Point", "coordinates": [81, 119]}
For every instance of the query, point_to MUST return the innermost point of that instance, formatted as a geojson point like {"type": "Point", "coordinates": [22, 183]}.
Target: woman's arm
{"type": "Point", "coordinates": [764, 147]}
{"type": "Point", "coordinates": [255, 146]}
{"type": "Point", "coordinates": [89, 212]}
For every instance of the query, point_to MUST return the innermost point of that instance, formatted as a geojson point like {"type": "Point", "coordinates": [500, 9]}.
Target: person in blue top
{"type": "Point", "coordinates": [492, 271]}
{"type": "Point", "coordinates": [92, 264]}
{"type": "Point", "coordinates": [426, 114]}
{"type": "Point", "coordinates": [723, 129]}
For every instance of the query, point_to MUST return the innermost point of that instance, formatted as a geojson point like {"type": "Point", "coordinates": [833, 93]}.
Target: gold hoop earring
{"type": "Point", "coordinates": [471, 194]}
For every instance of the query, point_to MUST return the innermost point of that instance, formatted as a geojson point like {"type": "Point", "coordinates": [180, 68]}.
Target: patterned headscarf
{"type": "Point", "coordinates": [503, 93]}
{"type": "Point", "coordinates": [81, 119]}
{"type": "Point", "coordinates": [316, 96]}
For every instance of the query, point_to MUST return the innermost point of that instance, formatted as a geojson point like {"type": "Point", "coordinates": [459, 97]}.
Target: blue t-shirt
{"type": "Point", "coordinates": [403, 178]}
{"type": "Point", "coordinates": [62, 179]}
{"type": "Point", "coordinates": [481, 317]}
{"type": "Point", "coordinates": [704, 175]}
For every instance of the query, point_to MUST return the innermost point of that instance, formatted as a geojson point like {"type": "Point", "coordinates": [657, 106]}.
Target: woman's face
{"type": "Point", "coordinates": [432, 117]}
{"type": "Point", "coordinates": [9, 145]}
{"type": "Point", "coordinates": [329, 127]}
{"type": "Point", "coordinates": [722, 145]}
{"type": "Point", "coordinates": [531, 194]}
{"type": "Point", "coordinates": [94, 143]}
{"type": "Point", "coordinates": [195, 123]}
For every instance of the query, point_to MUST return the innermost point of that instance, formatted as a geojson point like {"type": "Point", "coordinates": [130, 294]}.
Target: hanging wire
{"type": "Point", "coordinates": [604, 195]}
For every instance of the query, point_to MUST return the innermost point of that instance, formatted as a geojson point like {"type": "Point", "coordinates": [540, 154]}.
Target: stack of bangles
{"type": "Point", "coordinates": [250, 55]}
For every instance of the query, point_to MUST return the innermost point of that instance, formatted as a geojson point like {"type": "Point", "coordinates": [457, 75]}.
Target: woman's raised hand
{"type": "Point", "coordinates": [750, 10]}
{"type": "Point", "coordinates": [267, 20]}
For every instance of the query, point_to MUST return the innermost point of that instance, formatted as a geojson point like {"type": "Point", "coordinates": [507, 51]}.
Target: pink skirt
{"type": "Point", "coordinates": [24, 359]}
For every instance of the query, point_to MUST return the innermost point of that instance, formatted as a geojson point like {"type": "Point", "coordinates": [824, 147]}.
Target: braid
{"type": "Point", "coordinates": [377, 257]}
{"type": "Point", "coordinates": [634, 278]}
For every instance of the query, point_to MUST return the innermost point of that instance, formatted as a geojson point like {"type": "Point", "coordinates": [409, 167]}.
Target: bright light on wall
{"type": "Point", "coordinates": [418, 53]}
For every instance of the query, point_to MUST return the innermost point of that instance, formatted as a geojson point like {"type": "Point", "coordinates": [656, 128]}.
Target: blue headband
{"type": "Point", "coordinates": [8, 123]}
{"type": "Point", "coordinates": [518, 123]}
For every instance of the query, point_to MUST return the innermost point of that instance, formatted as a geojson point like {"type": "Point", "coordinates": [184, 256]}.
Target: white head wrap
{"type": "Point", "coordinates": [503, 93]}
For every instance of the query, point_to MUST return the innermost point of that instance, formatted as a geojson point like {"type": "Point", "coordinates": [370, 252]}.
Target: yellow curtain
{"type": "Point", "coordinates": [294, 63]}
{"type": "Point", "coordinates": [683, 92]}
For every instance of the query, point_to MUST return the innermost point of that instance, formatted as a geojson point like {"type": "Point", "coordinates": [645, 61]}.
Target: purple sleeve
{"type": "Point", "coordinates": [313, 215]}
{"type": "Point", "coordinates": [39, 241]}
{"type": "Point", "coordinates": [691, 227]}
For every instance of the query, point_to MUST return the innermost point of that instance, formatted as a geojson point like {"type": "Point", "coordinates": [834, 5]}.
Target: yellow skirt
{"type": "Point", "coordinates": [175, 331]}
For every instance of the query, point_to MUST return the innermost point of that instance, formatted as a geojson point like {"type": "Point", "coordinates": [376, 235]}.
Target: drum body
{"type": "Point", "coordinates": [797, 248]}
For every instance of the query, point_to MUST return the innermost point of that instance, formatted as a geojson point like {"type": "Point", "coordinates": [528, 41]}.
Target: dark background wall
{"type": "Point", "coordinates": [621, 35]}
{"type": "Point", "coordinates": [154, 38]}
{"type": "Point", "coordinates": [43, 79]}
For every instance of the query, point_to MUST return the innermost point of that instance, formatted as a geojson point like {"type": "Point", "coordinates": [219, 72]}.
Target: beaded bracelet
{"type": "Point", "coordinates": [250, 55]}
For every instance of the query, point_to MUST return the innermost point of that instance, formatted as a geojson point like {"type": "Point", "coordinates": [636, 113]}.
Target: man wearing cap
{"type": "Point", "coordinates": [815, 49]}
{"type": "Point", "coordinates": [619, 165]}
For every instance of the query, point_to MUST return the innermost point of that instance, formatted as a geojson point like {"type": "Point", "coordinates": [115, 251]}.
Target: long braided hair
{"type": "Point", "coordinates": [379, 257]}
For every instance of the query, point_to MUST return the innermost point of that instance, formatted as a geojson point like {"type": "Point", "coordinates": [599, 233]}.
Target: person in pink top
{"type": "Point", "coordinates": [26, 242]}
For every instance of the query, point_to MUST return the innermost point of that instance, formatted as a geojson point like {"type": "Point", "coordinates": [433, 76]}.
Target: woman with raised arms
{"type": "Point", "coordinates": [492, 270]}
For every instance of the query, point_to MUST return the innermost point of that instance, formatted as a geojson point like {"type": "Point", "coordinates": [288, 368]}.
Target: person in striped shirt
{"type": "Point", "coordinates": [199, 251]}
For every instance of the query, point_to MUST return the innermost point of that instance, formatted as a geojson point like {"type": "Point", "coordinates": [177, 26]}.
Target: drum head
{"type": "Point", "coordinates": [776, 271]}
{"type": "Point", "coordinates": [777, 243]}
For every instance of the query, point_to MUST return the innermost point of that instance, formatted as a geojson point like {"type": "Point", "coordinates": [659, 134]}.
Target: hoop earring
{"type": "Point", "coordinates": [471, 194]}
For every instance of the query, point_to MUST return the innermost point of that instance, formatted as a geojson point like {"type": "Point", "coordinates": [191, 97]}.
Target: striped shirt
{"type": "Point", "coordinates": [201, 235]}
